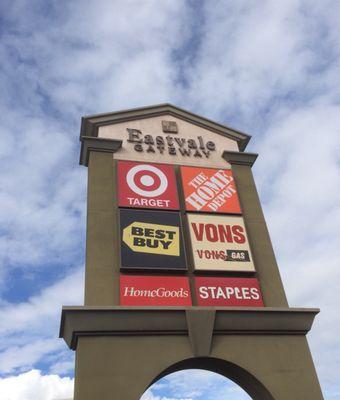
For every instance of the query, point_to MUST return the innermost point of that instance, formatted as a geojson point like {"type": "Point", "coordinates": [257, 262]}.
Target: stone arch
{"type": "Point", "coordinates": [255, 389]}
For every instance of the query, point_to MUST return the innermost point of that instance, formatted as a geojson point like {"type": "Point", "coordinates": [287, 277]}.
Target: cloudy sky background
{"type": "Point", "coordinates": [269, 68]}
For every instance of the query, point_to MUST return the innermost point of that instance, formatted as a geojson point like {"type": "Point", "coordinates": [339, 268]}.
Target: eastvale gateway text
{"type": "Point", "coordinates": [171, 144]}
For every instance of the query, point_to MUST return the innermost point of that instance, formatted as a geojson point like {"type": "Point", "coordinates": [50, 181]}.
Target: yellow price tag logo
{"type": "Point", "coordinates": [142, 237]}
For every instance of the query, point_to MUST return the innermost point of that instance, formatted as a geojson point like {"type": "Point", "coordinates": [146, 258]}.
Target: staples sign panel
{"type": "Point", "coordinates": [151, 240]}
{"type": "Point", "coordinates": [154, 291]}
{"type": "Point", "coordinates": [144, 185]}
{"type": "Point", "coordinates": [228, 292]}
{"type": "Point", "coordinates": [219, 243]}
{"type": "Point", "coordinates": [212, 190]}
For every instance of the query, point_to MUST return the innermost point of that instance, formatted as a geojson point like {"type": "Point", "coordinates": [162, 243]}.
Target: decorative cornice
{"type": "Point", "coordinates": [89, 143]}
{"type": "Point", "coordinates": [91, 123]}
{"type": "Point", "coordinates": [235, 157]}
{"type": "Point", "coordinates": [125, 321]}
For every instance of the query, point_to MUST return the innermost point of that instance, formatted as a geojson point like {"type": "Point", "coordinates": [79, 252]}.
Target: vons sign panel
{"type": "Point", "coordinates": [228, 292]}
{"type": "Point", "coordinates": [154, 291]}
{"type": "Point", "coordinates": [210, 190]}
{"type": "Point", "coordinates": [151, 240]}
{"type": "Point", "coordinates": [145, 185]}
{"type": "Point", "coordinates": [219, 243]}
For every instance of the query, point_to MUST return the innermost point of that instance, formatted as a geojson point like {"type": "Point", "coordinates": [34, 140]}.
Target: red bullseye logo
{"type": "Point", "coordinates": [147, 180]}
{"type": "Point", "coordinates": [146, 185]}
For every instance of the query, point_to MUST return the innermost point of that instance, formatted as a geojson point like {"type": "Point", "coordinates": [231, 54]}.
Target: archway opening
{"type": "Point", "coordinates": [194, 384]}
{"type": "Point", "coordinates": [239, 381]}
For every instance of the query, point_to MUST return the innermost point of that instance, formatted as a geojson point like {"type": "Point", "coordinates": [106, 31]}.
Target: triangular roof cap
{"type": "Point", "coordinates": [91, 123]}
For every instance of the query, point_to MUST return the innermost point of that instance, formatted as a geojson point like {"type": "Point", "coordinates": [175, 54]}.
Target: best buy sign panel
{"type": "Point", "coordinates": [219, 243]}
{"type": "Point", "coordinates": [151, 240]}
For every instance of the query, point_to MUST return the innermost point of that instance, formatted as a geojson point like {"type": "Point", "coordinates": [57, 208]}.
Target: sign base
{"type": "Point", "coordinates": [255, 347]}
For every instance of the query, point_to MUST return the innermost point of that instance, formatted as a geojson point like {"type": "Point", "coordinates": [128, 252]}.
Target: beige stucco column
{"type": "Point", "coordinates": [102, 269]}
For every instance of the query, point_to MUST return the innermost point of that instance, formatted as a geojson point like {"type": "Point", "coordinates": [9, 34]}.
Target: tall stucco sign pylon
{"type": "Point", "coordinates": [180, 270]}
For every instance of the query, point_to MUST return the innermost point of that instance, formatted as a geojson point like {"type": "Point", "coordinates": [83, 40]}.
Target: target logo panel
{"type": "Point", "coordinates": [228, 292]}
{"type": "Point", "coordinates": [145, 185]}
{"type": "Point", "coordinates": [220, 243]}
{"type": "Point", "coordinates": [154, 291]}
{"type": "Point", "coordinates": [151, 240]}
{"type": "Point", "coordinates": [210, 190]}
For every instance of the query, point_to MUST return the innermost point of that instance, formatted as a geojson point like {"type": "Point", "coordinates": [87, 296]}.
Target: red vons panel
{"type": "Point", "coordinates": [154, 291]}
{"type": "Point", "coordinates": [228, 292]}
{"type": "Point", "coordinates": [210, 190]}
{"type": "Point", "coordinates": [145, 185]}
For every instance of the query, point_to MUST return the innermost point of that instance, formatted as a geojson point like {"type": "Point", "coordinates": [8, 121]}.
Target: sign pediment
{"type": "Point", "coordinates": [163, 133]}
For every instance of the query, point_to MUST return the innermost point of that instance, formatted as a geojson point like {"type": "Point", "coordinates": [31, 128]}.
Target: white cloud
{"type": "Point", "coordinates": [42, 198]}
{"type": "Point", "coordinates": [33, 385]}
{"type": "Point", "coordinates": [99, 68]}
{"type": "Point", "coordinates": [195, 384]}
{"type": "Point", "coordinates": [34, 313]}
{"type": "Point", "coordinates": [30, 334]}
{"type": "Point", "coordinates": [150, 396]}
{"type": "Point", "coordinates": [62, 70]}
{"type": "Point", "coordinates": [303, 213]}
{"type": "Point", "coordinates": [263, 58]}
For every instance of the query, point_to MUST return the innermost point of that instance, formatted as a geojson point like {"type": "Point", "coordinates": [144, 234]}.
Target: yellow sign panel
{"type": "Point", "coordinates": [143, 237]}
{"type": "Point", "coordinates": [220, 243]}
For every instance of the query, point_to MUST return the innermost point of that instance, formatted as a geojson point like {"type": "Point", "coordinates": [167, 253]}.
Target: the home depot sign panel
{"type": "Point", "coordinates": [219, 243]}
{"type": "Point", "coordinates": [210, 190]}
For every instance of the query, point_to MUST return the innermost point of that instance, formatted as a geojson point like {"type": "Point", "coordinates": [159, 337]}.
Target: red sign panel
{"type": "Point", "coordinates": [212, 190]}
{"type": "Point", "coordinates": [228, 292]}
{"type": "Point", "coordinates": [145, 185]}
{"type": "Point", "coordinates": [154, 291]}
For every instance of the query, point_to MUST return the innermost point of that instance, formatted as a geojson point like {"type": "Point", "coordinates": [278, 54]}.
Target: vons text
{"type": "Point", "coordinates": [218, 233]}
{"type": "Point", "coordinates": [225, 255]}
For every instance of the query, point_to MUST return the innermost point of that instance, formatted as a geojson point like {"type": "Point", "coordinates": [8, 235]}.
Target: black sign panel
{"type": "Point", "coordinates": [151, 240]}
{"type": "Point", "coordinates": [237, 255]}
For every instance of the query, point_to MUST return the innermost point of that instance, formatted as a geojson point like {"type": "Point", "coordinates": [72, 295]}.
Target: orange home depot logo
{"type": "Point", "coordinates": [208, 189]}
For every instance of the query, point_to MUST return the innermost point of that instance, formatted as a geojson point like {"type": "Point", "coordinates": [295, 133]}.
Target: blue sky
{"type": "Point", "coordinates": [269, 68]}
